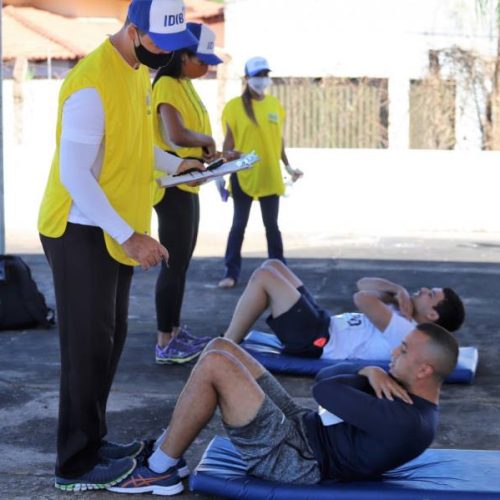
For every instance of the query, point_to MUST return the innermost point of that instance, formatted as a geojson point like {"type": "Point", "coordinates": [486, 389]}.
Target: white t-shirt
{"type": "Point", "coordinates": [354, 336]}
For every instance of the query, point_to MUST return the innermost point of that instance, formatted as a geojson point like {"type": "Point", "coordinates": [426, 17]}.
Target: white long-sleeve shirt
{"type": "Point", "coordinates": [81, 156]}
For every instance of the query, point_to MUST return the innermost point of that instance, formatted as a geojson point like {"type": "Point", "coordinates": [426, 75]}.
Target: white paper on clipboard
{"type": "Point", "coordinates": [229, 167]}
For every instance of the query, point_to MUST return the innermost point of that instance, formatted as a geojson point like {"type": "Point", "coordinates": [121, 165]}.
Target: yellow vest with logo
{"type": "Point", "coordinates": [180, 94]}
{"type": "Point", "coordinates": [264, 137]}
{"type": "Point", "coordinates": [127, 168]}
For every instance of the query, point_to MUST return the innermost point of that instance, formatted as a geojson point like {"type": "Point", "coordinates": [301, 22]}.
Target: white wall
{"type": "Point", "coordinates": [29, 140]}
{"type": "Point", "coordinates": [343, 192]}
{"type": "Point", "coordinates": [361, 193]}
{"type": "Point", "coordinates": [363, 38]}
{"type": "Point", "coordinates": [352, 37]}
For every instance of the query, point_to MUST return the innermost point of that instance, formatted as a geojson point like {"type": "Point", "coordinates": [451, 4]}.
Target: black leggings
{"type": "Point", "coordinates": [178, 220]}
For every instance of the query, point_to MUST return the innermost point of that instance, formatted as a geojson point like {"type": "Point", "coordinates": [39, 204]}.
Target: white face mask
{"type": "Point", "coordinates": [259, 83]}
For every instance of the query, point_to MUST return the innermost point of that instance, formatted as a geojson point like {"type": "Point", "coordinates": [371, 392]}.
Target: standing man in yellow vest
{"type": "Point", "coordinates": [94, 224]}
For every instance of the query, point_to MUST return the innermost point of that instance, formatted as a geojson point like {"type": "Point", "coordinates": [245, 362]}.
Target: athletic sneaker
{"type": "Point", "coordinates": [105, 474]}
{"type": "Point", "coordinates": [144, 480]}
{"type": "Point", "coordinates": [149, 448]}
{"type": "Point", "coordinates": [115, 450]}
{"type": "Point", "coordinates": [182, 468]}
{"type": "Point", "coordinates": [188, 338]}
{"type": "Point", "coordinates": [178, 352]}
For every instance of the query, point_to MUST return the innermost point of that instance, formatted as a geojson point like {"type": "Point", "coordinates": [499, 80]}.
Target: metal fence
{"type": "Point", "coordinates": [353, 113]}
{"type": "Point", "coordinates": [334, 112]}
{"type": "Point", "coordinates": [432, 113]}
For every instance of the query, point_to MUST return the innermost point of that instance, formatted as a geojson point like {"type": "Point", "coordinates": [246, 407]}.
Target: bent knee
{"type": "Point", "coordinates": [219, 344]}
{"type": "Point", "coordinates": [217, 361]}
{"type": "Point", "coordinates": [264, 274]}
{"type": "Point", "coordinates": [273, 264]}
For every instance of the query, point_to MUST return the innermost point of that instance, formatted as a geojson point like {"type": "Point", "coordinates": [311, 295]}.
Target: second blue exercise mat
{"type": "Point", "coordinates": [266, 348]}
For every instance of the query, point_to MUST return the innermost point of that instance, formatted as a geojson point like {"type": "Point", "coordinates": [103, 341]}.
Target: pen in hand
{"type": "Point", "coordinates": [188, 171]}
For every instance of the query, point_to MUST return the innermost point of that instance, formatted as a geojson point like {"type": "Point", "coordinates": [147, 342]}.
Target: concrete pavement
{"type": "Point", "coordinates": [144, 394]}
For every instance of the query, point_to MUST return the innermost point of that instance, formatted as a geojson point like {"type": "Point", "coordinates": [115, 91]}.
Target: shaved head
{"type": "Point", "coordinates": [441, 351]}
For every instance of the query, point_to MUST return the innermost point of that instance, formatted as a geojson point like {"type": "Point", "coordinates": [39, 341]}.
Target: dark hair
{"type": "Point", "coordinates": [174, 66]}
{"type": "Point", "coordinates": [445, 346]}
{"type": "Point", "coordinates": [451, 311]}
{"type": "Point", "coordinates": [247, 104]}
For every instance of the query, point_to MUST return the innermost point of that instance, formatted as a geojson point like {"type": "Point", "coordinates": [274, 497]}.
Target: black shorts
{"type": "Point", "coordinates": [303, 329]}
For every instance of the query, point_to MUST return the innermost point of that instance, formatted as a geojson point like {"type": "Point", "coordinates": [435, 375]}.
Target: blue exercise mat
{"type": "Point", "coordinates": [444, 474]}
{"type": "Point", "coordinates": [266, 348]}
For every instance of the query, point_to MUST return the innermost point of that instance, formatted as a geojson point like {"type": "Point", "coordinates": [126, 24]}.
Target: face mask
{"type": "Point", "coordinates": [150, 59]}
{"type": "Point", "coordinates": [259, 83]}
{"type": "Point", "coordinates": [192, 69]}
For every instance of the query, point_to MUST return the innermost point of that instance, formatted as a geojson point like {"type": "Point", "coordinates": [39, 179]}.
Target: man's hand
{"type": "Point", "coordinates": [384, 385]}
{"type": "Point", "coordinates": [404, 302]}
{"type": "Point", "coordinates": [384, 290]}
{"type": "Point", "coordinates": [145, 250]}
{"type": "Point", "coordinates": [190, 165]}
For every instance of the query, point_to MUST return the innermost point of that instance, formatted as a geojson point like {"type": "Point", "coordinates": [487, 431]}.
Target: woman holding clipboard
{"type": "Point", "coordinates": [181, 127]}
{"type": "Point", "coordinates": [254, 122]}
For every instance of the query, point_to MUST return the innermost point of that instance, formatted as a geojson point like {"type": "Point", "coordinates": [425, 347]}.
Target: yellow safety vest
{"type": "Point", "coordinates": [180, 94]}
{"type": "Point", "coordinates": [265, 138]}
{"type": "Point", "coordinates": [127, 168]}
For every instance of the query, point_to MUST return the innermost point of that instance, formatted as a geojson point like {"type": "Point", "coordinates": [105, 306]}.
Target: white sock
{"type": "Point", "coordinates": [160, 461]}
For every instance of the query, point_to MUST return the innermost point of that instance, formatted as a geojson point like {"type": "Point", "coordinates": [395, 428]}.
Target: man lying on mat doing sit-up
{"type": "Point", "coordinates": [387, 313]}
{"type": "Point", "coordinates": [384, 420]}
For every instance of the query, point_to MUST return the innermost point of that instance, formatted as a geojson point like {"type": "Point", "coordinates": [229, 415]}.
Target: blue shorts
{"type": "Point", "coordinates": [303, 329]}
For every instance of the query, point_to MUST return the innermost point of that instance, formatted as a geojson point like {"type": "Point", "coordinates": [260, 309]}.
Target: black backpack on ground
{"type": "Point", "coordinates": [21, 303]}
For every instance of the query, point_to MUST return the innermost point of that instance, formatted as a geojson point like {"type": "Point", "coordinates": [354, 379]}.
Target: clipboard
{"type": "Point", "coordinates": [229, 167]}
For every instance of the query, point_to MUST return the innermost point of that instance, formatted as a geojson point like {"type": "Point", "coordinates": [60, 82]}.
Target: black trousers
{"type": "Point", "coordinates": [92, 293]}
{"type": "Point", "coordinates": [178, 221]}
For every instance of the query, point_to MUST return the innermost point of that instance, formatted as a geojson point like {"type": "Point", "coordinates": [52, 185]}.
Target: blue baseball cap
{"type": "Point", "coordinates": [205, 47]}
{"type": "Point", "coordinates": [164, 22]}
{"type": "Point", "coordinates": [256, 65]}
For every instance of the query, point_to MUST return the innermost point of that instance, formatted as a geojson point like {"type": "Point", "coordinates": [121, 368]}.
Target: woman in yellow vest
{"type": "Point", "coordinates": [254, 122]}
{"type": "Point", "coordinates": [181, 127]}
{"type": "Point", "coordinates": [94, 226]}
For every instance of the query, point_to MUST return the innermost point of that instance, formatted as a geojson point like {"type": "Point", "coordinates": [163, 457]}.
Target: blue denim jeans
{"type": "Point", "coordinates": [269, 207]}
